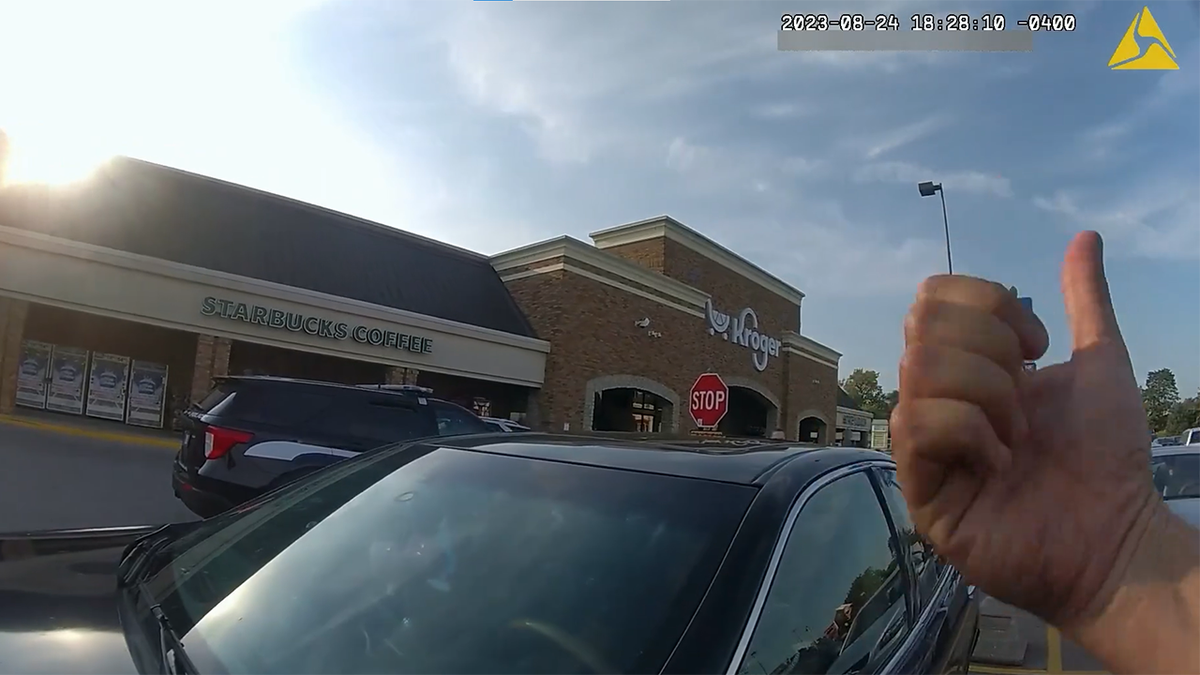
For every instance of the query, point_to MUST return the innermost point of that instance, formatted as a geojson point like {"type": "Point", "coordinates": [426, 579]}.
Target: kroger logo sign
{"type": "Point", "coordinates": [742, 330]}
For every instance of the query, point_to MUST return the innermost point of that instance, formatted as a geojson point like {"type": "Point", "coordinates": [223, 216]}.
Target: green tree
{"type": "Point", "coordinates": [1159, 396]}
{"type": "Point", "coordinates": [863, 387]}
{"type": "Point", "coordinates": [891, 398]}
{"type": "Point", "coordinates": [864, 586]}
{"type": "Point", "coordinates": [1184, 415]}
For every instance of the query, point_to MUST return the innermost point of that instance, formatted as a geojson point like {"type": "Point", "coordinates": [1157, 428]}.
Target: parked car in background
{"type": "Point", "coordinates": [1176, 472]}
{"type": "Point", "coordinates": [1165, 442]}
{"type": "Point", "coordinates": [501, 424]}
{"type": "Point", "coordinates": [1190, 437]}
{"type": "Point", "coordinates": [527, 554]}
{"type": "Point", "coordinates": [253, 434]}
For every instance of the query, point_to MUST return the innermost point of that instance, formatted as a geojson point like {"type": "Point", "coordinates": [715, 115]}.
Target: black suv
{"type": "Point", "coordinates": [251, 435]}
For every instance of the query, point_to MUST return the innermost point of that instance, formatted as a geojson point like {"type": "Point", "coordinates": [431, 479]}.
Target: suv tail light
{"type": "Point", "coordinates": [218, 441]}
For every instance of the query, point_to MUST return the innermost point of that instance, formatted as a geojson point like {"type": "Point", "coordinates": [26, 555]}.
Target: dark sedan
{"type": "Point", "coordinates": [503, 554]}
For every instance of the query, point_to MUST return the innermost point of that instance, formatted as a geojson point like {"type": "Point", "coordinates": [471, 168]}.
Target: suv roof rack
{"type": "Point", "coordinates": [397, 387]}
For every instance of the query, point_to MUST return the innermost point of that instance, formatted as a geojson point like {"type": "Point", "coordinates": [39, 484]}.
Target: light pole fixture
{"type": "Point", "coordinates": [928, 189]}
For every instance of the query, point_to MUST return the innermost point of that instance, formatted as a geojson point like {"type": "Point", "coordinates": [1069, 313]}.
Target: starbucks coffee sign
{"type": "Point", "coordinates": [296, 322]}
{"type": "Point", "coordinates": [742, 330]}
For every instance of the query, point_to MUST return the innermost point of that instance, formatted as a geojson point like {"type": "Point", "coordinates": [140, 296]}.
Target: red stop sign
{"type": "Point", "coordinates": [709, 400]}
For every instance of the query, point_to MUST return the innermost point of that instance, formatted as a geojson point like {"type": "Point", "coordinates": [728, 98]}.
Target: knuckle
{"type": "Point", "coordinates": [931, 286]}
{"type": "Point", "coordinates": [923, 315]}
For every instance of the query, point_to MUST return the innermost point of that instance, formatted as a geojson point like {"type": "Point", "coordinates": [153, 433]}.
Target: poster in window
{"type": "Point", "coordinates": [107, 386]}
{"type": "Point", "coordinates": [147, 394]}
{"type": "Point", "coordinates": [31, 375]}
{"type": "Point", "coordinates": [68, 370]}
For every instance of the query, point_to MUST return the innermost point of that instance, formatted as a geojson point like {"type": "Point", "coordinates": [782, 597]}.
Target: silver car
{"type": "Point", "coordinates": [1176, 471]}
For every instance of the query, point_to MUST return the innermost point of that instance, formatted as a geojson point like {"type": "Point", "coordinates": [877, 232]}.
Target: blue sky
{"type": "Point", "coordinates": [493, 125]}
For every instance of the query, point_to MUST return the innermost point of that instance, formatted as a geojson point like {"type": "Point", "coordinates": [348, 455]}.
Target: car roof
{"type": "Point", "coordinates": [727, 460]}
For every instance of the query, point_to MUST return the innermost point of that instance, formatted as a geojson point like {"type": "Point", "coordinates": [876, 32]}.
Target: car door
{"type": "Point", "coordinates": [944, 616]}
{"type": "Point", "coordinates": [835, 599]}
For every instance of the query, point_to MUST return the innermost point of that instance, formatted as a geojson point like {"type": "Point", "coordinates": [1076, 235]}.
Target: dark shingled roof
{"type": "Point", "coordinates": [165, 213]}
{"type": "Point", "coordinates": [844, 400]}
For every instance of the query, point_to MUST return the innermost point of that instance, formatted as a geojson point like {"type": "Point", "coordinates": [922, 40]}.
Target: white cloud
{"type": "Point", "coordinates": [822, 253]}
{"type": "Point", "coordinates": [1106, 140]}
{"type": "Point", "coordinates": [905, 135]}
{"type": "Point", "coordinates": [1159, 221]}
{"type": "Point", "coordinates": [779, 111]}
{"type": "Point", "coordinates": [975, 182]}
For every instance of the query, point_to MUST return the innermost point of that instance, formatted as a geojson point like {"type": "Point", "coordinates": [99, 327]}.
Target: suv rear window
{"type": "Point", "coordinates": [276, 406]}
{"type": "Point", "coordinates": [214, 397]}
{"type": "Point", "coordinates": [453, 420]}
{"type": "Point", "coordinates": [374, 421]}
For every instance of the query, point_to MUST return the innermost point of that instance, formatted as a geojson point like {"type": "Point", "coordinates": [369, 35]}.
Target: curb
{"type": "Point", "coordinates": [90, 433]}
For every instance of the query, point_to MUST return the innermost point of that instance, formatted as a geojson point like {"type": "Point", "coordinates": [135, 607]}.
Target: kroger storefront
{"type": "Point", "coordinates": [639, 314]}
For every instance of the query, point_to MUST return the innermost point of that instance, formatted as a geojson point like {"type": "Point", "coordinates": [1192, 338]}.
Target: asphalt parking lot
{"type": "Point", "coordinates": [54, 480]}
{"type": "Point", "coordinates": [1014, 642]}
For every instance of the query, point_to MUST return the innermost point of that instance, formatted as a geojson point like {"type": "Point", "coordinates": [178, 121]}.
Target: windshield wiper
{"type": "Point", "coordinates": [174, 656]}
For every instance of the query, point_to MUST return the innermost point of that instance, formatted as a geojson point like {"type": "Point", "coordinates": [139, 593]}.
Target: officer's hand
{"type": "Point", "coordinates": [1031, 484]}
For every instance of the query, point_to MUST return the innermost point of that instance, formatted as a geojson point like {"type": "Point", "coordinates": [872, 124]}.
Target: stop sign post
{"type": "Point", "coordinates": [709, 400]}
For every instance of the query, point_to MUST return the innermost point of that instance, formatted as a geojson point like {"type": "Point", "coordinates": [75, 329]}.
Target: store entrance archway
{"type": "Point", "coordinates": [751, 414]}
{"type": "Point", "coordinates": [629, 403]}
{"type": "Point", "coordinates": [813, 430]}
{"type": "Point", "coordinates": [626, 409]}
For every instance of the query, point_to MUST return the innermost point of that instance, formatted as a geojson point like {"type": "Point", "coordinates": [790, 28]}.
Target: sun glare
{"type": "Point", "coordinates": [51, 160]}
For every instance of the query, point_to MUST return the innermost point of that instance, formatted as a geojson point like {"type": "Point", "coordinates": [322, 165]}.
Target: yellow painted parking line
{"type": "Point", "coordinates": [90, 433]}
{"type": "Point", "coordinates": [1053, 650]}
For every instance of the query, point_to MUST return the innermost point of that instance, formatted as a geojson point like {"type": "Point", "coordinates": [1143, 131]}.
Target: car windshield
{"type": "Point", "coordinates": [1177, 476]}
{"type": "Point", "coordinates": [454, 561]}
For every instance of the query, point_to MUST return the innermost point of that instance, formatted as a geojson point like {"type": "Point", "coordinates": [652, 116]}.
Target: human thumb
{"type": "Point", "coordinates": [1085, 292]}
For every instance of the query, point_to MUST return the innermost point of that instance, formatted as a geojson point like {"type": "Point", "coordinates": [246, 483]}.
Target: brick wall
{"type": "Point", "coordinates": [13, 316]}
{"type": "Point", "coordinates": [202, 367]}
{"type": "Point", "coordinates": [590, 326]}
{"type": "Point", "coordinates": [730, 291]}
{"type": "Point", "coordinates": [813, 391]}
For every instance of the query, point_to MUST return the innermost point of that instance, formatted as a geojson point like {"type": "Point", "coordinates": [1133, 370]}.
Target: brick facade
{"type": "Point", "coordinates": [13, 314]}
{"type": "Point", "coordinates": [211, 361]}
{"type": "Point", "coordinates": [596, 343]}
{"type": "Point", "coordinates": [398, 375]}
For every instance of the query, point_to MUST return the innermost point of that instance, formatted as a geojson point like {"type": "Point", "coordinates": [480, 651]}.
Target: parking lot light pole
{"type": "Point", "coordinates": [928, 188]}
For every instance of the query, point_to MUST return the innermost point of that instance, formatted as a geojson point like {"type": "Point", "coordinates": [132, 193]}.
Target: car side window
{"type": "Point", "coordinates": [926, 569]}
{"type": "Point", "coordinates": [453, 420]}
{"type": "Point", "coordinates": [837, 601]}
{"type": "Point", "coordinates": [1176, 476]}
{"type": "Point", "coordinates": [375, 423]}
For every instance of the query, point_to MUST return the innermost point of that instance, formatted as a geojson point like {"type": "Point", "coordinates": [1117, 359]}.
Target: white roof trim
{"type": "Point", "coordinates": [666, 226]}
{"type": "Point", "coordinates": [854, 412]}
{"type": "Point", "coordinates": [234, 282]}
{"type": "Point", "coordinates": [795, 343]}
{"type": "Point", "coordinates": [569, 248]}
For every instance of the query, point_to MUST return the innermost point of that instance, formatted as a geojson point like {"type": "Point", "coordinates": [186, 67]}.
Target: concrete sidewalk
{"type": "Point", "coordinates": [90, 427]}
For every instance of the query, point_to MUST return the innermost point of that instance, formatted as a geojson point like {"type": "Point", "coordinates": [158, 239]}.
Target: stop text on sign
{"type": "Point", "coordinates": [708, 401]}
